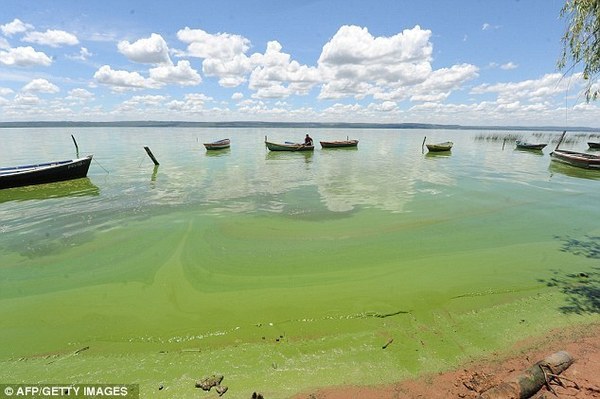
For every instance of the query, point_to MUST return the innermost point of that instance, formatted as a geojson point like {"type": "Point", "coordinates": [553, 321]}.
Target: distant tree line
{"type": "Point", "coordinates": [274, 125]}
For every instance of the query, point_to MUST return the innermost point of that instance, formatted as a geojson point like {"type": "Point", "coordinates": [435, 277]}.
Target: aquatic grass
{"type": "Point", "coordinates": [285, 273]}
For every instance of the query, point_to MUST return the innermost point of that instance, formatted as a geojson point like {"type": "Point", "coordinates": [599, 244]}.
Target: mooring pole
{"type": "Point", "coordinates": [151, 155]}
{"type": "Point", "coordinates": [76, 146]}
{"type": "Point", "coordinates": [562, 136]}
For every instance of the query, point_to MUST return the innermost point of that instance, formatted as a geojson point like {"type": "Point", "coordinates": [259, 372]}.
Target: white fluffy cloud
{"type": "Point", "coordinates": [352, 64]}
{"type": "Point", "coordinates": [530, 102]}
{"type": "Point", "coordinates": [231, 72]}
{"type": "Point", "coordinates": [380, 79]}
{"type": "Point", "coordinates": [441, 82]}
{"type": "Point", "coordinates": [16, 26]}
{"type": "Point", "coordinates": [24, 56]}
{"type": "Point", "coordinates": [508, 66]}
{"type": "Point", "coordinates": [532, 89]}
{"type": "Point", "coordinates": [26, 99]}
{"type": "Point", "coordinates": [123, 80]}
{"type": "Point", "coordinates": [83, 55]}
{"type": "Point", "coordinates": [182, 74]}
{"type": "Point", "coordinates": [353, 45]}
{"type": "Point", "coordinates": [192, 103]}
{"type": "Point", "coordinates": [5, 91]}
{"type": "Point", "coordinates": [278, 76]}
{"type": "Point", "coordinates": [205, 45]}
{"type": "Point", "coordinates": [224, 54]}
{"type": "Point", "coordinates": [40, 86]}
{"type": "Point", "coordinates": [52, 38]}
{"type": "Point", "coordinates": [80, 95]}
{"type": "Point", "coordinates": [136, 103]}
{"type": "Point", "coordinates": [151, 50]}
{"type": "Point", "coordinates": [272, 74]}
{"type": "Point", "coordinates": [355, 63]}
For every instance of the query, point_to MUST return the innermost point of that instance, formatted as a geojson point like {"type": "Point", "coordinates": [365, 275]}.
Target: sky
{"type": "Point", "coordinates": [466, 62]}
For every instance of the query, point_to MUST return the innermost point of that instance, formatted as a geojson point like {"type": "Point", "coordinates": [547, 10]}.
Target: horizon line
{"type": "Point", "coordinates": [266, 124]}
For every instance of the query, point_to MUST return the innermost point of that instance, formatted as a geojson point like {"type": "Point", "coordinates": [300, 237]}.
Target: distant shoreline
{"type": "Point", "coordinates": [280, 125]}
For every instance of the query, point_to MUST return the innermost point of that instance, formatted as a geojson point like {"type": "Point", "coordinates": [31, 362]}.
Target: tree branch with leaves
{"type": "Point", "coordinates": [581, 41]}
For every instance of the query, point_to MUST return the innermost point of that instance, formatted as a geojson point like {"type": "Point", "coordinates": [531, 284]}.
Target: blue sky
{"type": "Point", "coordinates": [469, 62]}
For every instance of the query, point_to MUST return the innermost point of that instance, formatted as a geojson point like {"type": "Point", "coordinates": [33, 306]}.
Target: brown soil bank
{"type": "Point", "coordinates": [581, 379]}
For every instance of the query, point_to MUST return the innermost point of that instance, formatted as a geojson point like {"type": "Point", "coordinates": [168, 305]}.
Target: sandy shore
{"type": "Point", "coordinates": [583, 343]}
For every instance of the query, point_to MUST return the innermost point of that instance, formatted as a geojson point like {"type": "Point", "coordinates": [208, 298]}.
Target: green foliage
{"type": "Point", "coordinates": [581, 41]}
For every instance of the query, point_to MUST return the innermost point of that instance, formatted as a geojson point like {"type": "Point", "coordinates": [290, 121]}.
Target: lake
{"type": "Point", "coordinates": [287, 271]}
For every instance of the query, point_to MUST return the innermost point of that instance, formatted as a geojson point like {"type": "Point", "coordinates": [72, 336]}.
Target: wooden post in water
{"type": "Point", "coordinates": [151, 155]}
{"type": "Point", "coordinates": [561, 139]}
{"type": "Point", "coordinates": [76, 146]}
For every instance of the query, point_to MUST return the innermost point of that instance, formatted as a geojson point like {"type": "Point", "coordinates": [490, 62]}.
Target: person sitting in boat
{"type": "Point", "coordinates": [308, 140]}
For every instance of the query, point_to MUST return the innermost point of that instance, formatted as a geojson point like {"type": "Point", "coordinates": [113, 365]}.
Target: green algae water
{"type": "Point", "coordinates": [286, 272]}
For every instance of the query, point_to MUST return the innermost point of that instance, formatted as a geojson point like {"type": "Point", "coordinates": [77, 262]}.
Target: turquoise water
{"type": "Point", "coordinates": [286, 271]}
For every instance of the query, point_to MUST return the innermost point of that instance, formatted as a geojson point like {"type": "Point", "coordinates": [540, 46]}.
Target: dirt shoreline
{"type": "Point", "coordinates": [582, 342]}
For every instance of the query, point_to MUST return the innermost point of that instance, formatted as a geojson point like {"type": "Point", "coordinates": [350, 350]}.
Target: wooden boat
{"type": "Point", "coordinates": [438, 147]}
{"type": "Point", "coordinates": [523, 145]}
{"type": "Point", "coordinates": [289, 146]}
{"type": "Point", "coordinates": [339, 143]}
{"type": "Point", "coordinates": [218, 145]}
{"type": "Point", "coordinates": [594, 145]}
{"type": "Point", "coordinates": [573, 158]}
{"type": "Point", "coordinates": [27, 175]}
{"type": "Point", "coordinates": [579, 159]}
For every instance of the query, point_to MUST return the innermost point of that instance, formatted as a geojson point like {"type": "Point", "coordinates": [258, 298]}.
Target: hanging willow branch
{"type": "Point", "coordinates": [581, 41]}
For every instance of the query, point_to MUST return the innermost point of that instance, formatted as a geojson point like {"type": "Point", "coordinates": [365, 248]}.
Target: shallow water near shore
{"type": "Point", "coordinates": [286, 271]}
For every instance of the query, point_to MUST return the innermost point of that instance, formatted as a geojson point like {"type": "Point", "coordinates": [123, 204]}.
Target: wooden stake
{"type": "Point", "coordinates": [561, 139]}
{"type": "Point", "coordinates": [76, 146]}
{"type": "Point", "coordinates": [151, 155]}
